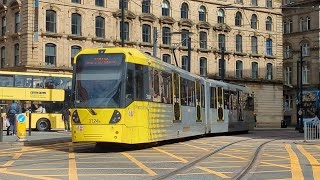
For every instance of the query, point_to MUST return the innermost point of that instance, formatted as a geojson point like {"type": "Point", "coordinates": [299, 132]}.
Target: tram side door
{"type": "Point", "coordinates": [220, 103]}
{"type": "Point", "coordinates": [176, 97]}
{"type": "Point", "coordinates": [198, 101]}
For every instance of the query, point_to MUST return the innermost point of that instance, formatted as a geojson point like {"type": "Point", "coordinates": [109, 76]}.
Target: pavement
{"type": "Point", "coordinates": [38, 138]}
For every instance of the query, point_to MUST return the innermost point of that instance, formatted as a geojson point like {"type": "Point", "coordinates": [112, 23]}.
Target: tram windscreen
{"type": "Point", "coordinates": [98, 80]}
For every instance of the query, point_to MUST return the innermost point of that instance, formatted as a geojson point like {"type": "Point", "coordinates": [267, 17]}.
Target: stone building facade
{"type": "Point", "coordinates": [301, 29]}
{"type": "Point", "coordinates": [51, 32]}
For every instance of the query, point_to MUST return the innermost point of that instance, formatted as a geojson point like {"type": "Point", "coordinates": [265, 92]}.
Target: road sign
{"type": "Point", "coordinates": [21, 127]}
{"type": "Point", "coordinates": [21, 118]}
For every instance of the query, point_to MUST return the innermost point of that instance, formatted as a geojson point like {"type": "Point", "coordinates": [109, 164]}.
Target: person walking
{"type": "Point", "coordinates": [66, 119]}
{"type": "Point", "coordinates": [14, 109]}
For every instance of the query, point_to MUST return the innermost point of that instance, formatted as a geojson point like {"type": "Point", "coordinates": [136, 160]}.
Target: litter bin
{"type": "Point", "coordinates": [283, 124]}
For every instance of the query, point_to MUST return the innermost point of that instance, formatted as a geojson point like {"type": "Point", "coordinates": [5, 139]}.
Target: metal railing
{"type": "Point", "coordinates": [312, 131]}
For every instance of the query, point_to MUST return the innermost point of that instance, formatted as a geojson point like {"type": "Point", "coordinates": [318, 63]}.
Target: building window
{"type": "Point", "coordinates": [76, 24]}
{"type": "Point", "coordinates": [239, 1]}
{"type": "Point", "coordinates": [202, 13]}
{"type": "Point", "coordinates": [50, 57]}
{"type": "Point", "coordinates": [125, 4]}
{"type": "Point", "coordinates": [254, 45]}
{"type": "Point", "coordinates": [74, 51]}
{"type": "Point", "coordinates": [126, 31]}
{"type": "Point", "coordinates": [100, 27]}
{"type": "Point", "coordinates": [269, 3]}
{"type": "Point", "coordinates": [203, 66]}
{"type": "Point", "coordinates": [17, 22]}
{"type": "Point", "coordinates": [238, 43]}
{"type": "Point", "coordinates": [222, 67]}
{"type": "Point", "coordinates": [305, 24]}
{"type": "Point", "coordinates": [238, 19]}
{"type": "Point", "coordinates": [100, 3]}
{"type": "Point", "coordinates": [305, 75]}
{"type": "Point", "coordinates": [4, 2]}
{"type": "Point", "coordinates": [305, 49]}
{"type": "Point", "coordinates": [287, 51]}
{"type": "Point", "coordinates": [268, 23]}
{"type": "Point", "coordinates": [269, 47]}
{"type": "Point", "coordinates": [184, 37]}
{"type": "Point", "coordinates": [254, 23]}
{"type": "Point", "coordinates": [287, 26]}
{"type": "Point", "coordinates": [51, 21]}
{"type": "Point", "coordinates": [3, 57]}
{"type": "Point", "coordinates": [288, 104]}
{"type": "Point", "coordinates": [16, 55]}
{"type": "Point", "coordinates": [203, 40]}
{"type": "Point", "coordinates": [146, 33]}
{"type": "Point", "coordinates": [254, 68]}
{"type": "Point", "coordinates": [76, 1]}
{"type": "Point", "coordinates": [166, 36]}
{"type": "Point", "coordinates": [145, 6]}
{"type": "Point", "coordinates": [221, 41]}
{"type": "Point", "coordinates": [4, 26]}
{"type": "Point", "coordinates": [290, 27]}
{"type": "Point", "coordinates": [239, 69]}
{"type": "Point", "coordinates": [165, 8]}
{"type": "Point", "coordinates": [220, 16]}
{"type": "Point", "coordinates": [288, 76]}
{"type": "Point", "coordinates": [184, 11]}
{"type": "Point", "coordinates": [269, 71]}
{"type": "Point", "coordinates": [166, 58]}
{"type": "Point", "coordinates": [254, 2]}
{"type": "Point", "coordinates": [185, 63]}
{"type": "Point", "coordinates": [308, 22]}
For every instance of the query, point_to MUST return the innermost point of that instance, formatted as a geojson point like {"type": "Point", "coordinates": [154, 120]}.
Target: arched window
{"type": "Point", "coordinates": [254, 69]}
{"type": "Point", "coordinates": [184, 37]}
{"type": "Point", "coordinates": [254, 21]}
{"type": "Point", "coordinates": [166, 58]}
{"type": "Point", "coordinates": [238, 19]}
{"type": "Point", "coordinates": [269, 71]}
{"type": "Point", "coordinates": [17, 22]}
{"type": "Point", "coordinates": [287, 51]}
{"type": "Point", "coordinates": [100, 27]}
{"type": "Point", "coordinates": [50, 54]}
{"type": "Point", "coordinates": [305, 49]}
{"type": "Point", "coordinates": [254, 45]}
{"type": "Point", "coordinates": [269, 46]}
{"type": "Point", "coordinates": [269, 23]}
{"type": "Point", "coordinates": [165, 8]}
{"type": "Point", "coordinates": [4, 25]}
{"type": "Point", "coordinates": [74, 51]}
{"type": "Point", "coordinates": [308, 22]}
{"type": "Point", "coordinates": [146, 33]}
{"type": "Point", "coordinates": [76, 24]}
{"type": "Point", "coordinates": [238, 43]}
{"type": "Point", "coordinates": [146, 6]}
{"type": "Point", "coordinates": [185, 63]}
{"type": "Point", "coordinates": [220, 16]}
{"type": "Point", "coordinates": [203, 66]}
{"type": "Point", "coordinates": [126, 31]}
{"type": "Point", "coordinates": [239, 69]}
{"type": "Point", "coordinates": [203, 40]}
{"type": "Point", "coordinates": [221, 41]}
{"type": "Point", "coordinates": [166, 35]}
{"type": "Point", "coordinates": [16, 55]}
{"type": "Point", "coordinates": [3, 57]}
{"type": "Point", "coordinates": [51, 21]}
{"type": "Point", "coordinates": [184, 11]}
{"type": "Point", "coordinates": [202, 13]}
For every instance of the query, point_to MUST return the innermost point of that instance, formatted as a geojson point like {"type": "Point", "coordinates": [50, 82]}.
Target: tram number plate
{"type": "Point", "coordinates": [80, 128]}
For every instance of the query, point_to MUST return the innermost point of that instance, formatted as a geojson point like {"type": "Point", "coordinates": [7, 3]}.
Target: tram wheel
{"type": "Point", "coordinates": [43, 124]}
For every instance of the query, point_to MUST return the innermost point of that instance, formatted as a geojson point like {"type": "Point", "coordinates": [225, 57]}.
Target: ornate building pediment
{"type": "Point", "coordinates": [15, 4]}
{"type": "Point", "coordinates": [186, 22]}
{"type": "Point", "coordinates": [127, 14]}
{"type": "Point", "coordinates": [148, 17]}
{"type": "Point", "coordinates": [3, 8]}
{"type": "Point", "coordinates": [203, 25]}
{"type": "Point", "coordinates": [222, 27]}
{"type": "Point", "coordinates": [167, 20]}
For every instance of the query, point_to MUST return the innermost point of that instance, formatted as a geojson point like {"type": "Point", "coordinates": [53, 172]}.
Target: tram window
{"type": "Point", "coordinates": [249, 103]}
{"type": "Point", "coordinates": [202, 96]}
{"type": "Point", "coordinates": [23, 81]}
{"type": "Point", "coordinates": [226, 100]}
{"type": "Point", "coordinates": [129, 87]}
{"type": "Point", "coordinates": [213, 97]}
{"type": "Point", "coordinates": [6, 80]}
{"type": "Point", "coordinates": [167, 88]}
{"type": "Point", "coordinates": [233, 100]}
{"type": "Point", "coordinates": [38, 81]}
{"type": "Point", "coordinates": [198, 92]}
{"type": "Point", "coordinates": [139, 93]}
{"type": "Point", "coordinates": [187, 92]}
{"type": "Point", "coordinates": [156, 80]}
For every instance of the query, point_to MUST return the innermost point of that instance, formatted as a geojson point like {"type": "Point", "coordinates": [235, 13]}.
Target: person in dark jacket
{"type": "Point", "coordinates": [13, 111]}
{"type": "Point", "coordinates": [66, 119]}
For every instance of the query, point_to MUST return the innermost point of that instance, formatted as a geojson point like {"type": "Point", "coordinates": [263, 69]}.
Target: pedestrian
{"type": "Point", "coordinates": [66, 119]}
{"type": "Point", "coordinates": [14, 110]}
{"type": "Point", "coordinates": [255, 119]}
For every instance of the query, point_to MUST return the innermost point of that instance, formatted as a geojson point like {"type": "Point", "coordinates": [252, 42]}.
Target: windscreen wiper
{"type": "Point", "coordinates": [91, 111]}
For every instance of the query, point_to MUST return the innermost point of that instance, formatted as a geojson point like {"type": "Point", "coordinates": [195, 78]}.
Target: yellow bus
{"type": "Point", "coordinates": [52, 91]}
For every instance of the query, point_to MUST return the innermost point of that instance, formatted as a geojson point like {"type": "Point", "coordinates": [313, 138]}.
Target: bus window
{"type": "Point", "coordinates": [38, 81]}
{"type": "Point", "coordinates": [6, 80]}
{"type": "Point", "coordinates": [23, 81]}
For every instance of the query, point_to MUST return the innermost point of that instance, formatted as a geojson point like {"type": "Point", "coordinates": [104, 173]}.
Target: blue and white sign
{"type": "Point", "coordinates": [21, 118]}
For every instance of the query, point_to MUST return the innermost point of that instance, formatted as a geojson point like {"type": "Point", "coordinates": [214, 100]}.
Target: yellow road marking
{"type": "Point", "coordinates": [204, 143]}
{"type": "Point", "coordinates": [4, 171]}
{"type": "Point", "coordinates": [91, 175]}
{"type": "Point", "coordinates": [270, 155]}
{"type": "Point", "coordinates": [313, 162]}
{"type": "Point", "coordinates": [238, 150]}
{"type": "Point", "coordinates": [212, 172]}
{"type": "Point", "coordinates": [296, 170]}
{"type": "Point", "coordinates": [218, 167]}
{"type": "Point", "coordinates": [142, 166]}
{"type": "Point", "coordinates": [73, 175]}
{"type": "Point", "coordinates": [171, 155]}
{"type": "Point", "coordinates": [229, 155]}
{"type": "Point", "coordinates": [47, 169]}
{"type": "Point", "coordinates": [195, 147]}
{"type": "Point", "coordinates": [281, 179]}
{"type": "Point", "coordinates": [256, 172]}
{"type": "Point", "coordinates": [277, 165]}
{"type": "Point", "coordinates": [220, 161]}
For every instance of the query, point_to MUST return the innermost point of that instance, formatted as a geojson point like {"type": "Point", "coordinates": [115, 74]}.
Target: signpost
{"type": "Point", "coordinates": [21, 127]}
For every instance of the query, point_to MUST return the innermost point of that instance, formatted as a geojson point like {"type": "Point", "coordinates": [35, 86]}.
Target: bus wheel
{"type": "Point", "coordinates": [43, 124]}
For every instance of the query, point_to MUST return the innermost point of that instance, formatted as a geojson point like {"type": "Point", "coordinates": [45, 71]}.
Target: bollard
{"type": "Point", "coordinates": [29, 115]}
{"type": "Point", "coordinates": [1, 128]}
{"type": "Point", "coordinates": [21, 127]}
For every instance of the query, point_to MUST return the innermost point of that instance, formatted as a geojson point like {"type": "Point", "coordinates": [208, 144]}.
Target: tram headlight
{"type": "Point", "coordinates": [75, 117]}
{"type": "Point", "coordinates": [116, 117]}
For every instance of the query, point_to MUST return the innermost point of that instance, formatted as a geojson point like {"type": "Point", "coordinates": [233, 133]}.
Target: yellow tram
{"type": "Point", "coordinates": [123, 95]}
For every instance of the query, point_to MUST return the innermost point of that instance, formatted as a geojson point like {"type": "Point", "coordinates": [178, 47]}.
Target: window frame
{"type": "Point", "coordinates": [238, 43]}
{"type": "Point", "coordinates": [254, 70]}
{"type": "Point", "coordinates": [202, 13]}
{"type": "Point", "coordinates": [269, 71]}
{"type": "Point", "coordinates": [50, 59]}
{"type": "Point", "coordinates": [166, 35]}
{"type": "Point", "coordinates": [146, 33]}
{"type": "Point", "coordinates": [100, 27]}
{"type": "Point", "coordinates": [203, 66]}
{"type": "Point", "coordinates": [51, 21]}
{"type": "Point", "coordinates": [184, 11]}
{"type": "Point", "coordinates": [203, 40]}
{"type": "Point", "coordinates": [165, 7]}
{"type": "Point", "coordinates": [238, 19]}
{"type": "Point", "coordinates": [17, 22]}
{"type": "Point", "coordinates": [239, 69]}
{"type": "Point", "coordinates": [145, 6]}
{"type": "Point", "coordinates": [76, 24]}
{"type": "Point", "coordinates": [17, 54]}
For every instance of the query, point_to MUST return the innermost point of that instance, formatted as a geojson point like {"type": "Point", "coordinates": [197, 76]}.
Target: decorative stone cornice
{"type": "Point", "coordinates": [15, 4]}
{"type": "Point", "coordinates": [3, 9]}
{"type": "Point", "coordinates": [222, 27]}
{"type": "Point", "coordinates": [186, 22]}
{"type": "Point", "coordinates": [51, 34]}
{"type": "Point", "coordinates": [203, 25]}
{"type": "Point", "coordinates": [167, 20]}
{"type": "Point", "coordinates": [147, 17]}
{"type": "Point", "coordinates": [127, 14]}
